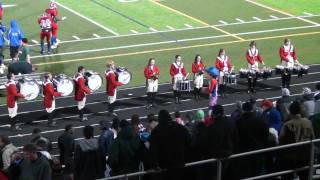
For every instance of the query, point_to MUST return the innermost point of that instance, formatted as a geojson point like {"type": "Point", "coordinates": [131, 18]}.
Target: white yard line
{"type": "Point", "coordinates": [223, 22]}
{"type": "Point", "coordinates": [308, 14]}
{"type": "Point", "coordinates": [133, 31]}
{"type": "Point", "coordinates": [188, 25]}
{"type": "Point", "coordinates": [256, 18]}
{"type": "Point", "coordinates": [86, 18]}
{"type": "Point", "coordinates": [34, 41]}
{"type": "Point", "coordinates": [96, 35]}
{"type": "Point", "coordinates": [76, 37]}
{"type": "Point", "coordinates": [177, 30]}
{"type": "Point", "coordinates": [171, 41]}
{"type": "Point", "coordinates": [170, 27]}
{"type": "Point", "coordinates": [281, 12]}
{"type": "Point", "coordinates": [274, 17]}
{"type": "Point", "coordinates": [153, 29]}
{"type": "Point", "coordinates": [240, 20]}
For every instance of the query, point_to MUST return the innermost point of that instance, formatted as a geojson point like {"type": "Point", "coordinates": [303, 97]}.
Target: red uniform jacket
{"type": "Point", "coordinates": [253, 56]}
{"type": "Point", "coordinates": [80, 88]}
{"type": "Point", "coordinates": [49, 93]}
{"type": "Point", "coordinates": [53, 13]}
{"type": "Point", "coordinates": [13, 95]}
{"type": "Point", "coordinates": [45, 23]}
{"type": "Point", "coordinates": [285, 51]}
{"type": "Point", "coordinates": [148, 72]}
{"type": "Point", "coordinates": [175, 69]}
{"type": "Point", "coordinates": [197, 67]}
{"type": "Point", "coordinates": [112, 83]}
{"type": "Point", "coordinates": [220, 64]}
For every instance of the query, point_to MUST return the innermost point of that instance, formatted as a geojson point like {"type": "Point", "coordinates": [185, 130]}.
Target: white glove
{"type": "Point", "coordinates": [63, 18]}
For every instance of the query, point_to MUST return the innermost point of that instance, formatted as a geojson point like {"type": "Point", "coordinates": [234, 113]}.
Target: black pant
{"type": "Point", "coordinates": [14, 51]}
{"type": "Point", "coordinates": [177, 94]}
{"type": "Point", "coordinates": [1, 55]}
{"type": "Point", "coordinates": [286, 79]}
{"type": "Point", "coordinates": [150, 97]}
{"type": "Point", "coordinates": [252, 81]}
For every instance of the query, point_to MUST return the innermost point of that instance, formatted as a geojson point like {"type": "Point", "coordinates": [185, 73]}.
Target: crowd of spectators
{"type": "Point", "coordinates": [167, 142]}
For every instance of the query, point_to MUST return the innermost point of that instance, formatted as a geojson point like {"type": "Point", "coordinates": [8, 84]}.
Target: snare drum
{"type": "Point", "coordinates": [230, 78]}
{"type": "Point", "coordinates": [266, 73]}
{"type": "Point", "coordinates": [63, 84]}
{"type": "Point", "coordinates": [94, 80]}
{"type": "Point", "coordinates": [123, 75]}
{"type": "Point", "coordinates": [29, 88]}
{"type": "Point", "coordinates": [243, 73]}
{"type": "Point", "coordinates": [184, 85]}
{"type": "Point", "coordinates": [296, 69]}
{"type": "Point", "coordinates": [304, 69]}
{"type": "Point", "coordinates": [279, 69]}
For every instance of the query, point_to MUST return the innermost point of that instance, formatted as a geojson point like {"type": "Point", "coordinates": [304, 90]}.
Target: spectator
{"type": "Point", "coordinates": [152, 122]}
{"type": "Point", "coordinates": [283, 104]}
{"type": "Point", "coordinates": [32, 165]}
{"type": "Point", "coordinates": [308, 102]}
{"type": "Point", "coordinates": [295, 130]}
{"type": "Point", "coordinates": [137, 126]}
{"type": "Point", "coordinates": [107, 136]}
{"type": "Point", "coordinates": [125, 151]}
{"type": "Point", "coordinates": [271, 115]}
{"type": "Point", "coordinates": [169, 143]}
{"type": "Point", "coordinates": [252, 135]}
{"type": "Point", "coordinates": [87, 159]}
{"type": "Point", "coordinates": [66, 147]}
{"type": "Point", "coordinates": [178, 118]}
{"type": "Point", "coordinates": [199, 116]}
{"type": "Point", "coordinates": [317, 99]}
{"type": "Point", "coordinates": [197, 137]}
{"type": "Point", "coordinates": [24, 53]}
{"type": "Point", "coordinates": [14, 36]}
{"type": "Point", "coordinates": [220, 140]}
{"type": "Point", "coordinates": [236, 114]}
{"type": "Point", "coordinates": [36, 136]}
{"type": "Point", "coordinates": [255, 108]}
{"type": "Point", "coordinates": [2, 46]}
{"type": "Point", "coordinates": [6, 150]}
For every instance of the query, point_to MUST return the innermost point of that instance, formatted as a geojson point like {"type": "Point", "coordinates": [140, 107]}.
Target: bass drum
{"type": "Point", "coordinates": [29, 88]}
{"type": "Point", "coordinates": [63, 84]}
{"type": "Point", "coordinates": [123, 75]}
{"type": "Point", "coordinates": [94, 80]}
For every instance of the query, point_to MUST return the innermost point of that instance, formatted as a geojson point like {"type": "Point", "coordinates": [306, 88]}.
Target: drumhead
{"type": "Point", "coordinates": [64, 86]}
{"type": "Point", "coordinates": [124, 77]}
{"type": "Point", "coordinates": [30, 89]}
{"type": "Point", "coordinates": [94, 81]}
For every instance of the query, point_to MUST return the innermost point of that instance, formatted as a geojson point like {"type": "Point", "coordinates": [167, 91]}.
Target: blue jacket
{"type": "Point", "coordinates": [2, 31]}
{"type": "Point", "coordinates": [273, 118]}
{"type": "Point", "coordinates": [14, 35]}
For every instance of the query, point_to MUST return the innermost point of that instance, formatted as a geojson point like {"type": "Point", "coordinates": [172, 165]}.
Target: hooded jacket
{"type": "Point", "coordinates": [14, 35]}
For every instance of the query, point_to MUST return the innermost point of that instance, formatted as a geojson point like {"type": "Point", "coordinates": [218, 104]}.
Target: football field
{"type": "Point", "coordinates": [132, 31]}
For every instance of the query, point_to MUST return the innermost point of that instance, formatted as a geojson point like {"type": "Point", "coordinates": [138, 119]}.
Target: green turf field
{"type": "Point", "coordinates": [132, 32]}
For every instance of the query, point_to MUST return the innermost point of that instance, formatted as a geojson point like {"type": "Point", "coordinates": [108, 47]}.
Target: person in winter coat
{"type": "Point", "coordinates": [14, 36]}
{"type": "Point", "coordinates": [271, 115]}
{"type": "Point", "coordinates": [283, 104]}
{"type": "Point", "coordinates": [6, 150]}
{"type": "Point", "coordinates": [124, 154]}
{"type": "Point", "coordinates": [169, 144]}
{"type": "Point", "coordinates": [88, 164]}
{"type": "Point", "coordinates": [308, 102]}
{"type": "Point", "coordinates": [66, 147]}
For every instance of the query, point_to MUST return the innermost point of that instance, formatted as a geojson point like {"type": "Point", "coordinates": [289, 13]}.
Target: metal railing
{"type": "Point", "coordinates": [310, 167]}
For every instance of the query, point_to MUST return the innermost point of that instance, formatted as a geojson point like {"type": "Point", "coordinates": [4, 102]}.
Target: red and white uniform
{"type": "Point", "coordinates": [198, 77]}
{"type": "Point", "coordinates": [253, 58]}
{"type": "Point", "coordinates": [177, 72]}
{"type": "Point", "coordinates": [12, 96]}
{"type": "Point", "coordinates": [223, 64]}
{"type": "Point", "coordinates": [151, 73]}
{"type": "Point", "coordinates": [53, 13]}
{"type": "Point", "coordinates": [49, 96]}
{"type": "Point", "coordinates": [45, 23]}
{"type": "Point", "coordinates": [1, 12]}
{"type": "Point", "coordinates": [111, 86]}
{"type": "Point", "coordinates": [287, 55]}
{"type": "Point", "coordinates": [80, 90]}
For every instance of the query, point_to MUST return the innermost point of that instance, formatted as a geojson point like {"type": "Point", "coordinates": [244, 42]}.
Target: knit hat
{"type": "Point", "coordinates": [306, 91]}
{"type": "Point", "coordinates": [267, 103]}
{"type": "Point", "coordinates": [285, 92]}
{"type": "Point", "coordinates": [200, 115]}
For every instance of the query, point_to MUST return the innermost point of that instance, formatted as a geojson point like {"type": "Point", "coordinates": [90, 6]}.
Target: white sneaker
{"type": "Point", "coordinates": [53, 46]}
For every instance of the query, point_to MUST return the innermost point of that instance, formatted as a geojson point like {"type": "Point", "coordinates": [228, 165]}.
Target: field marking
{"type": "Point", "coordinates": [195, 19]}
{"type": "Point", "coordinates": [170, 27]}
{"type": "Point", "coordinates": [223, 22]}
{"type": "Point", "coordinates": [176, 30]}
{"type": "Point", "coordinates": [86, 18]}
{"type": "Point", "coordinates": [240, 20]}
{"type": "Point", "coordinates": [188, 25]}
{"type": "Point", "coordinates": [281, 12]}
{"type": "Point", "coordinates": [96, 35]}
{"type": "Point", "coordinates": [153, 29]}
{"type": "Point", "coordinates": [165, 42]}
{"type": "Point", "coordinates": [76, 37]}
{"type": "Point", "coordinates": [256, 18]}
{"type": "Point", "coordinates": [34, 41]}
{"type": "Point", "coordinates": [133, 31]}
{"type": "Point", "coordinates": [274, 17]}
{"type": "Point", "coordinates": [8, 5]}
{"type": "Point", "coordinates": [308, 14]}
{"type": "Point", "coordinates": [188, 110]}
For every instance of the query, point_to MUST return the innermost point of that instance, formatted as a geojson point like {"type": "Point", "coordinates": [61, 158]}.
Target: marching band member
{"type": "Point", "coordinates": [80, 91]}
{"type": "Point", "coordinates": [178, 73]}
{"type": "Point", "coordinates": [254, 58]}
{"type": "Point", "coordinates": [288, 59]}
{"type": "Point", "coordinates": [151, 73]}
{"type": "Point", "coordinates": [12, 97]}
{"type": "Point", "coordinates": [111, 86]}
{"type": "Point", "coordinates": [197, 70]}
{"type": "Point", "coordinates": [223, 64]}
{"type": "Point", "coordinates": [213, 74]}
{"type": "Point", "coordinates": [49, 97]}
